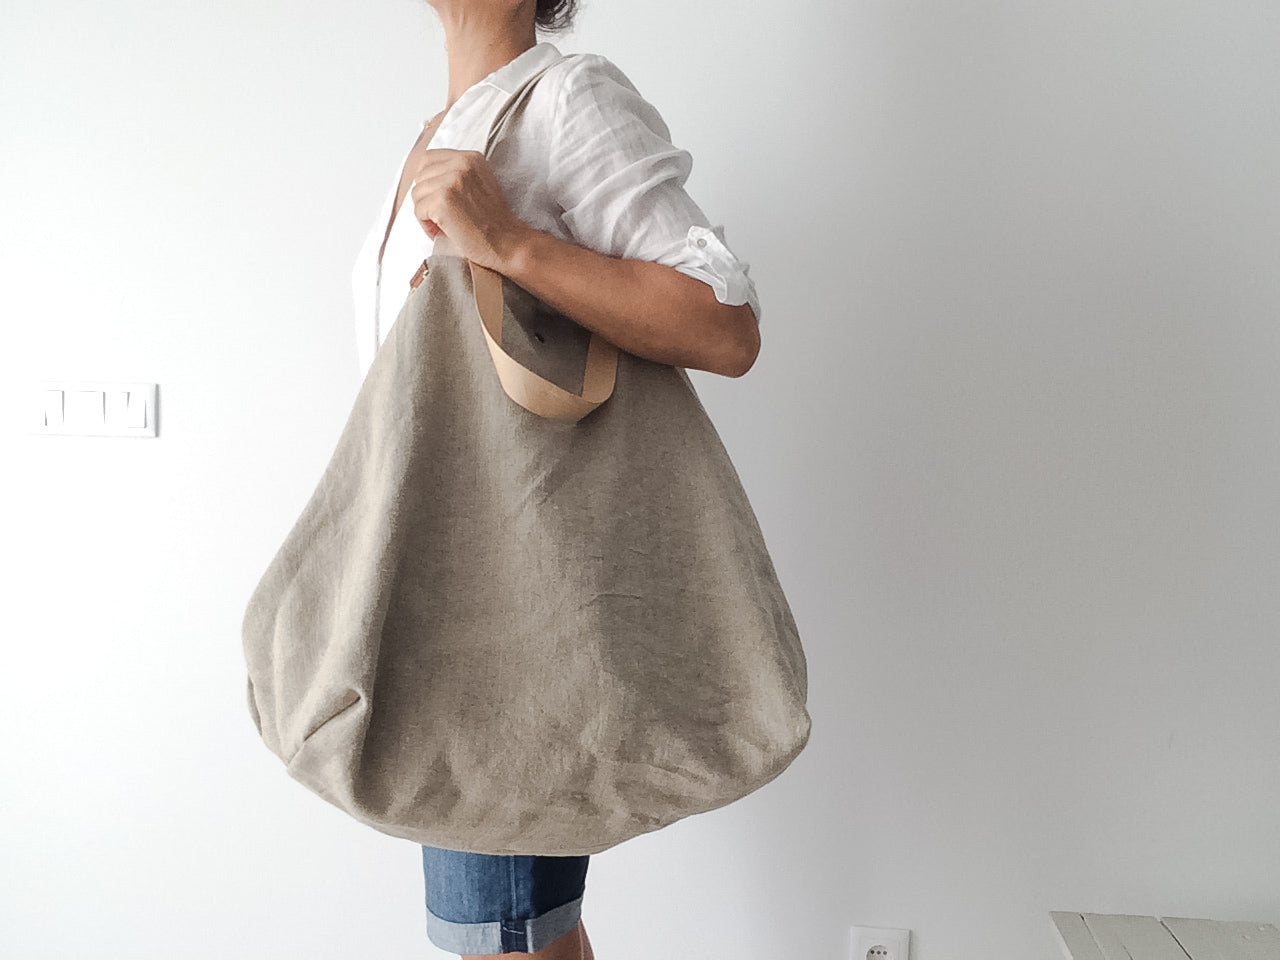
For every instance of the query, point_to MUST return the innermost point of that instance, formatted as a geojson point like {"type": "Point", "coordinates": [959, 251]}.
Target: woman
{"type": "Point", "coordinates": [583, 205]}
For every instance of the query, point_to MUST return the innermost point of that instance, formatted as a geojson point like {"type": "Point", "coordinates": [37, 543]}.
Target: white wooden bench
{"type": "Point", "coordinates": [1109, 936]}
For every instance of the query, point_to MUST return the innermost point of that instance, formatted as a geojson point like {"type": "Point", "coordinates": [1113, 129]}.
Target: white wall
{"type": "Point", "coordinates": [1012, 439]}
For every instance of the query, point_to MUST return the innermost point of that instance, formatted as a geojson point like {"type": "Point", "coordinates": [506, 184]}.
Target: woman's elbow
{"type": "Point", "coordinates": [721, 338]}
{"type": "Point", "coordinates": [743, 338]}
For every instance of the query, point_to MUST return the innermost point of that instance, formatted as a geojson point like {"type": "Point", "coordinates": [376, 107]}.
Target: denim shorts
{"type": "Point", "coordinates": [481, 903]}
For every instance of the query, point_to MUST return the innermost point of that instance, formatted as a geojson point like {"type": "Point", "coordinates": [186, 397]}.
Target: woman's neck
{"type": "Point", "coordinates": [479, 39]}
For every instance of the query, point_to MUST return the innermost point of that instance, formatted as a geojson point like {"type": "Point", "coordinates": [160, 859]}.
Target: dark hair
{"type": "Point", "coordinates": [555, 15]}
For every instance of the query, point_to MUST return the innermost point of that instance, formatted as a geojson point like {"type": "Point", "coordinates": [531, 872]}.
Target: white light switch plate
{"type": "Point", "coordinates": [92, 408]}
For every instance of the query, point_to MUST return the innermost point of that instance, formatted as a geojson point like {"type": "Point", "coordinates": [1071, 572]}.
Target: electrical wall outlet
{"type": "Point", "coordinates": [878, 943]}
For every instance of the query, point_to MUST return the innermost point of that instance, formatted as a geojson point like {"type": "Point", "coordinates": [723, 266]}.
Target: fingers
{"type": "Point", "coordinates": [460, 166]}
{"type": "Point", "coordinates": [455, 192]}
{"type": "Point", "coordinates": [455, 183]}
{"type": "Point", "coordinates": [439, 188]}
{"type": "Point", "coordinates": [435, 163]}
{"type": "Point", "coordinates": [432, 200]}
{"type": "Point", "coordinates": [441, 182]}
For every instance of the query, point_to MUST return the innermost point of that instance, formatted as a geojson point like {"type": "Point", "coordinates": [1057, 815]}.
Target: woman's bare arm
{"type": "Point", "coordinates": [645, 308]}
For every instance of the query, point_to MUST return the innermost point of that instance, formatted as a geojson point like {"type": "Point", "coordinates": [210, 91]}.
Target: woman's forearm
{"type": "Point", "coordinates": [645, 308]}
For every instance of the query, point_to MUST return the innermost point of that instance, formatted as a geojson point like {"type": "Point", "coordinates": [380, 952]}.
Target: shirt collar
{"type": "Point", "coordinates": [471, 115]}
{"type": "Point", "coordinates": [507, 78]}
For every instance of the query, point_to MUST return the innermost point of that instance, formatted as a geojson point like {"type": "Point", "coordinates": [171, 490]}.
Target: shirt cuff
{"type": "Point", "coordinates": [705, 256]}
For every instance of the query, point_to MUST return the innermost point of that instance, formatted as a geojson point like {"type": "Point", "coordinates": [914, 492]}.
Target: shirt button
{"type": "Point", "coordinates": [702, 241]}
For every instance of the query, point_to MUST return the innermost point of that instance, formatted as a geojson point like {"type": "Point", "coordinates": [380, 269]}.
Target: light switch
{"type": "Point", "coordinates": [117, 409]}
{"type": "Point", "coordinates": [84, 409]}
{"type": "Point", "coordinates": [93, 409]}
{"type": "Point", "coordinates": [53, 408]}
{"type": "Point", "coordinates": [137, 413]}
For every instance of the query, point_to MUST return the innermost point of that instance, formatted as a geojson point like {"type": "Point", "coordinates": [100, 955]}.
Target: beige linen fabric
{"type": "Point", "coordinates": [500, 633]}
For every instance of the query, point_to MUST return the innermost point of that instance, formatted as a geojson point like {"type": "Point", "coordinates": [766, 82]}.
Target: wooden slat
{"type": "Point", "coordinates": [1074, 938]}
{"type": "Point", "coordinates": [1113, 936]}
{"type": "Point", "coordinates": [1124, 937]}
{"type": "Point", "coordinates": [1225, 940]}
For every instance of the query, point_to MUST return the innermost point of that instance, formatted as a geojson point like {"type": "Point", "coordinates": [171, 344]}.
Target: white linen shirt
{"type": "Point", "coordinates": [588, 160]}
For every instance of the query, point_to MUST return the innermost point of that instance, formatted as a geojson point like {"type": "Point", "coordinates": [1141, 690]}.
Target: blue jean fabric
{"type": "Point", "coordinates": [480, 903]}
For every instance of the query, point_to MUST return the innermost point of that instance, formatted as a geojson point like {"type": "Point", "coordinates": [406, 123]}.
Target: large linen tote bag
{"type": "Point", "coordinates": [503, 632]}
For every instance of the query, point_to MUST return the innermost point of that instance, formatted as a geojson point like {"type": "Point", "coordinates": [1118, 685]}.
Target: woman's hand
{"type": "Point", "coordinates": [456, 193]}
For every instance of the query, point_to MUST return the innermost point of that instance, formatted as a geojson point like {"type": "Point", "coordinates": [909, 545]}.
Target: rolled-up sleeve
{"type": "Point", "coordinates": [620, 183]}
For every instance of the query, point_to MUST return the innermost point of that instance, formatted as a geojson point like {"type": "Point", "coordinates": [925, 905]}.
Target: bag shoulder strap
{"type": "Point", "coordinates": [530, 390]}
{"type": "Point", "coordinates": [497, 127]}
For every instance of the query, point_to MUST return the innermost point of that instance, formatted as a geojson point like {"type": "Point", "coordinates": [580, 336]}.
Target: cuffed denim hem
{"type": "Point", "coordinates": [504, 936]}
